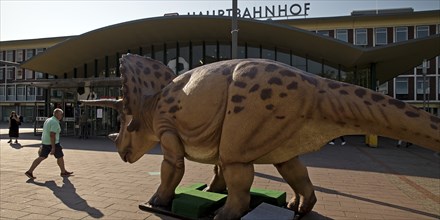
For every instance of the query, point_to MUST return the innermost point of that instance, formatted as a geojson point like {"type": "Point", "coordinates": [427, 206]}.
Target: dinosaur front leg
{"type": "Point", "coordinates": [172, 169]}
{"type": "Point", "coordinates": [296, 175]}
{"type": "Point", "coordinates": [217, 183]}
{"type": "Point", "coordinates": [239, 178]}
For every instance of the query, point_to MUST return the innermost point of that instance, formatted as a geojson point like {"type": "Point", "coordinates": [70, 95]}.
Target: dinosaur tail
{"type": "Point", "coordinates": [356, 110]}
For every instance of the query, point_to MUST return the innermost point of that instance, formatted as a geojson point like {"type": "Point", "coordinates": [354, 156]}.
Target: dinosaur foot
{"type": "Point", "coordinates": [302, 205]}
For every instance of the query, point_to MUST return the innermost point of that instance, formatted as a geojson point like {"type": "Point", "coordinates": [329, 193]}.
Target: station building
{"type": "Point", "coordinates": [382, 50]}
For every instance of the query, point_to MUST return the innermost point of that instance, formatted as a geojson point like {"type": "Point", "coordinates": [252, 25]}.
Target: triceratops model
{"type": "Point", "coordinates": [237, 113]}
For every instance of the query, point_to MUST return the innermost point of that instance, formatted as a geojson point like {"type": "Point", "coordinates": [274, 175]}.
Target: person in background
{"type": "Point", "coordinates": [50, 144]}
{"type": "Point", "coordinates": [14, 122]}
{"type": "Point", "coordinates": [399, 143]}
{"type": "Point", "coordinates": [332, 142]}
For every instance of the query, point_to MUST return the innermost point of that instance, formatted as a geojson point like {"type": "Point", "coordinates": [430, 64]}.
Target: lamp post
{"type": "Point", "coordinates": [424, 71]}
{"type": "Point", "coordinates": [234, 30]}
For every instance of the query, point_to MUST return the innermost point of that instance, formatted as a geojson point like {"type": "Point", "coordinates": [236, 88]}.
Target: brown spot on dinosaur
{"type": "Point", "coordinates": [310, 79]}
{"type": "Point", "coordinates": [399, 104]}
{"type": "Point", "coordinates": [275, 80]}
{"type": "Point", "coordinates": [240, 84]}
{"type": "Point", "coordinates": [377, 97]}
{"type": "Point", "coordinates": [254, 88]}
{"type": "Point", "coordinates": [292, 86]}
{"type": "Point", "coordinates": [251, 73]}
{"type": "Point", "coordinates": [412, 114]}
{"type": "Point", "coordinates": [266, 94]}
{"type": "Point", "coordinates": [237, 98]}
{"type": "Point", "coordinates": [238, 109]}
{"type": "Point", "coordinates": [334, 85]}
{"type": "Point", "coordinates": [271, 68]}
{"type": "Point", "coordinates": [359, 92]}
{"type": "Point", "coordinates": [343, 92]}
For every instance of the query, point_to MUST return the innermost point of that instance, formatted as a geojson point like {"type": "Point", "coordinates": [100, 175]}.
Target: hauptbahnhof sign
{"type": "Point", "coordinates": [274, 11]}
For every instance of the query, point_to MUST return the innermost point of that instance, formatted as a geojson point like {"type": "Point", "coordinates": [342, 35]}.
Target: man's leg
{"type": "Point", "coordinates": [64, 172]}
{"type": "Point", "coordinates": [33, 166]}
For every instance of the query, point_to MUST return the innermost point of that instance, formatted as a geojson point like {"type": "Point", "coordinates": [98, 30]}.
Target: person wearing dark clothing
{"type": "Point", "coordinates": [332, 142]}
{"type": "Point", "coordinates": [14, 122]}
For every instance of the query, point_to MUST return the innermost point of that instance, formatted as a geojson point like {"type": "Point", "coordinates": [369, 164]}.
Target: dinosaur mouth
{"type": "Point", "coordinates": [125, 156]}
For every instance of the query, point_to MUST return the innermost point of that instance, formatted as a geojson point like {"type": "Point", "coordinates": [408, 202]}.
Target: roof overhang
{"type": "Point", "coordinates": [390, 60]}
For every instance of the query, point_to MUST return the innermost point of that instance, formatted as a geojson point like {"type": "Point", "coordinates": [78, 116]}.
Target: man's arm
{"type": "Point", "coordinates": [52, 142]}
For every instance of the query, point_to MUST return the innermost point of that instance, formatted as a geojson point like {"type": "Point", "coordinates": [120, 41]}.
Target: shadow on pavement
{"type": "Point", "coordinates": [67, 194]}
{"type": "Point", "coordinates": [335, 192]}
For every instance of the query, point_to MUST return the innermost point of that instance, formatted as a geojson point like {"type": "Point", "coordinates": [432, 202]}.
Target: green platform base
{"type": "Point", "coordinates": [191, 202]}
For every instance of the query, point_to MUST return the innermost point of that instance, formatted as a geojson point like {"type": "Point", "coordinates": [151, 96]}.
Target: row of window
{"type": "Point", "coordinates": [19, 56]}
{"type": "Point", "coordinates": [20, 93]}
{"type": "Point", "coordinates": [363, 37]}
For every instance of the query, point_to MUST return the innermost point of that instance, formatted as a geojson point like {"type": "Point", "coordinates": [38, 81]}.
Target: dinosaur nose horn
{"type": "Point", "coordinates": [113, 136]}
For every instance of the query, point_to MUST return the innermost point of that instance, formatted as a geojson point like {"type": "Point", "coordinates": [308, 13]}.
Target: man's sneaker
{"type": "Point", "coordinates": [331, 143]}
{"type": "Point", "coordinates": [66, 174]}
{"type": "Point", "coordinates": [29, 175]}
{"type": "Point", "coordinates": [343, 143]}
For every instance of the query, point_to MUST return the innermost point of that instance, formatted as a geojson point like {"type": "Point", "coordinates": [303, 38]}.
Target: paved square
{"type": "Point", "coordinates": [351, 181]}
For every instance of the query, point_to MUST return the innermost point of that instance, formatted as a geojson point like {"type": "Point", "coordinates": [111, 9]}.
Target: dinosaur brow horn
{"type": "Point", "coordinates": [111, 103]}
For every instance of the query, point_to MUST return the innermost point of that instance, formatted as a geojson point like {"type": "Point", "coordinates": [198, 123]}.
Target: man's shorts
{"type": "Point", "coordinates": [45, 151]}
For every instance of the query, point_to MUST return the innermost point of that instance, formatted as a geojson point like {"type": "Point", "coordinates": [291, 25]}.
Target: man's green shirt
{"type": "Point", "coordinates": [51, 125]}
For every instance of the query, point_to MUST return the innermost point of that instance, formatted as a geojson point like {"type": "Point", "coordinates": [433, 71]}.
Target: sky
{"type": "Point", "coordinates": [30, 19]}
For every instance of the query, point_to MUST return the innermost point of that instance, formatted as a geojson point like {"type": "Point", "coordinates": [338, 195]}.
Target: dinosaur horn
{"type": "Point", "coordinates": [111, 103]}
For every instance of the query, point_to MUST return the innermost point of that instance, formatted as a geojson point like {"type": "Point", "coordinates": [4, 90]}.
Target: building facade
{"type": "Point", "coordinates": [34, 94]}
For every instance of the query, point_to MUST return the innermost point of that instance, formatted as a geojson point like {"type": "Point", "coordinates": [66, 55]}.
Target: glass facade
{"type": "Point", "coordinates": [182, 56]}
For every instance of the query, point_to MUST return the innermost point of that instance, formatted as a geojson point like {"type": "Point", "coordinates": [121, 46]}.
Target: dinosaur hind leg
{"type": "Point", "coordinates": [296, 175]}
{"type": "Point", "coordinates": [217, 183]}
{"type": "Point", "coordinates": [239, 178]}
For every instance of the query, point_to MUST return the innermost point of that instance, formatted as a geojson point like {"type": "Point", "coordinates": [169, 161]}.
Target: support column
{"type": "Point", "coordinates": [371, 139]}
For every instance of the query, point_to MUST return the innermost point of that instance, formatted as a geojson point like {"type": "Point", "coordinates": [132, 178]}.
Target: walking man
{"type": "Point", "coordinates": [50, 144]}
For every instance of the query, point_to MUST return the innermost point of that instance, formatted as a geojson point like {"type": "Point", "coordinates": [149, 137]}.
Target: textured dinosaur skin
{"type": "Point", "coordinates": [237, 113]}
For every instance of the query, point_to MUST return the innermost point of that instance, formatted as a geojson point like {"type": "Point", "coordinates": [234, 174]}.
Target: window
{"type": "Point", "coordinates": [197, 54]}
{"type": "Point", "coordinates": [18, 73]}
{"type": "Point", "coordinates": [299, 62]}
{"type": "Point", "coordinates": [401, 34]}
{"type": "Point", "coordinates": [39, 91]}
{"type": "Point", "coordinates": [401, 85]}
{"type": "Point", "coordinates": [342, 34]}
{"type": "Point", "coordinates": [11, 92]}
{"type": "Point", "coordinates": [381, 36]}
{"type": "Point", "coordinates": [19, 56]}
{"type": "Point", "coordinates": [225, 51]}
{"type": "Point", "coordinates": [424, 64]}
{"type": "Point", "coordinates": [422, 31]}
{"type": "Point", "coordinates": [30, 91]}
{"type": "Point", "coordinates": [10, 55]}
{"type": "Point", "coordinates": [383, 88]}
{"type": "Point", "coordinates": [2, 73]}
{"type": "Point", "coordinates": [324, 33]}
{"type": "Point", "coordinates": [210, 53]}
{"type": "Point", "coordinates": [39, 75]}
{"type": "Point", "coordinates": [420, 85]}
{"type": "Point", "coordinates": [10, 73]}
{"type": "Point", "coordinates": [28, 74]}
{"type": "Point", "coordinates": [20, 93]}
{"type": "Point", "coordinates": [29, 53]}
{"type": "Point", "coordinates": [268, 54]}
{"type": "Point", "coordinates": [283, 56]}
{"type": "Point", "coordinates": [253, 52]}
{"type": "Point", "coordinates": [361, 37]}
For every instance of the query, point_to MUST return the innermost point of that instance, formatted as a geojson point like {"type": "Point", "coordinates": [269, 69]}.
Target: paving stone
{"type": "Point", "coordinates": [267, 211]}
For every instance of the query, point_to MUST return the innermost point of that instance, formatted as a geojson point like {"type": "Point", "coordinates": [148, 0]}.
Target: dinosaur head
{"type": "Point", "coordinates": [142, 78]}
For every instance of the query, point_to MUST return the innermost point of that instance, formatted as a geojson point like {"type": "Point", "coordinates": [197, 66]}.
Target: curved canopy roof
{"type": "Point", "coordinates": [390, 60]}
